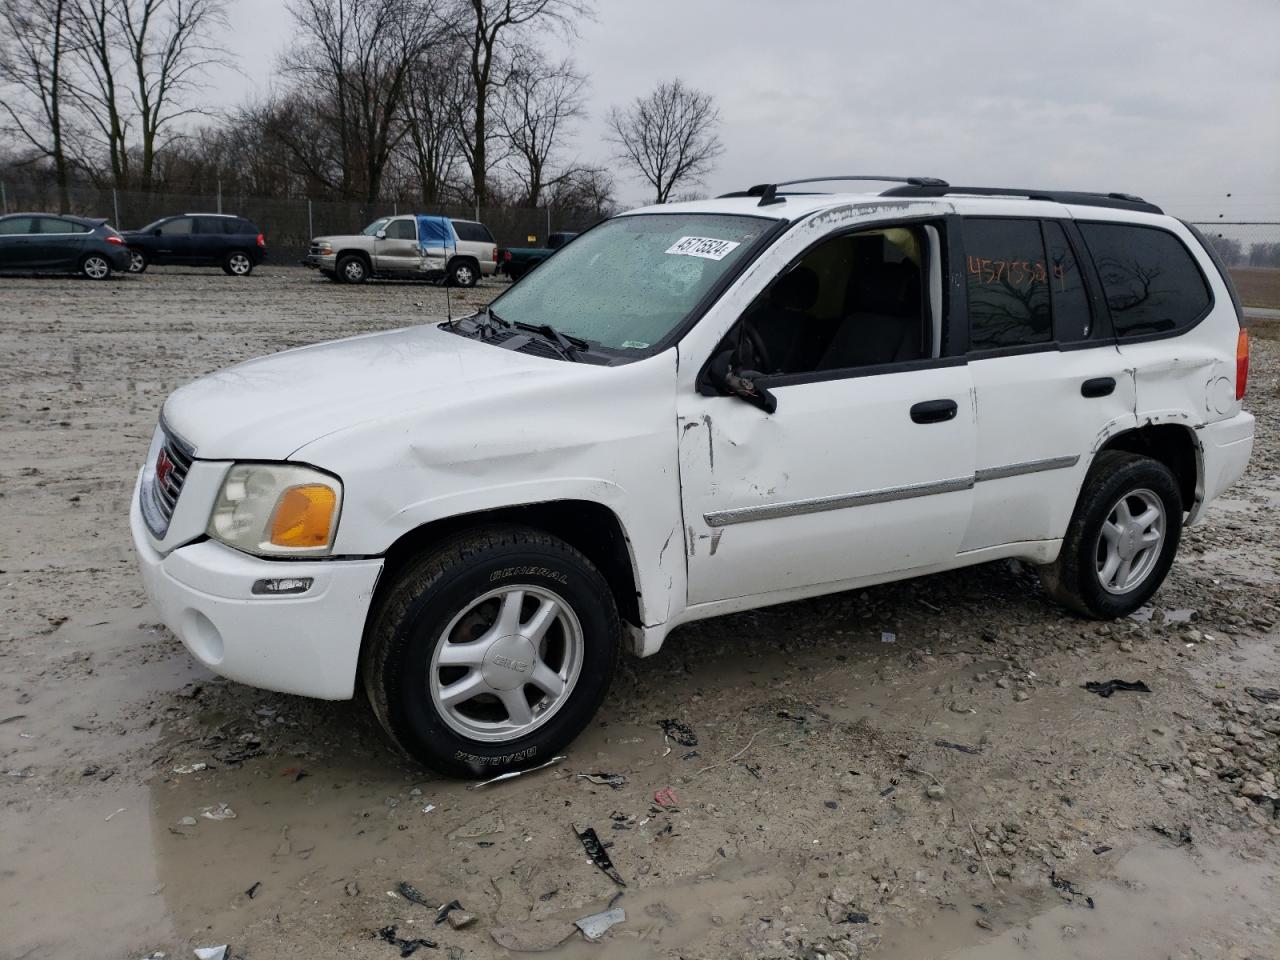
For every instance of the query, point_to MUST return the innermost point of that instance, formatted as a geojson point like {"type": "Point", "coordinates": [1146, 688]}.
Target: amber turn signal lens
{"type": "Point", "coordinates": [303, 516]}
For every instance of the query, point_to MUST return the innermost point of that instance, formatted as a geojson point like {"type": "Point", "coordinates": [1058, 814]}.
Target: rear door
{"type": "Point", "coordinates": [60, 243]}
{"type": "Point", "coordinates": [1048, 379]}
{"type": "Point", "coordinates": [210, 242]}
{"type": "Point", "coordinates": [397, 252]}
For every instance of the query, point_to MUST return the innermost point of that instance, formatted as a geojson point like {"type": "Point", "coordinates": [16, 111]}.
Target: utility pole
{"type": "Point", "coordinates": [115, 205]}
{"type": "Point", "coordinates": [311, 227]}
{"type": "Point", "coordinates": [219, 194]}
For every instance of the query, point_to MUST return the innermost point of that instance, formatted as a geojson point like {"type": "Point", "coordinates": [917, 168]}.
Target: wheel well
{"type": "Point", "coordinates": [464, 256]}
{"type": "Point", "coordinates": [1170, 444]}
{"type": "Point", "coordinates": [589, 527]}
{"type": "Point", "coordinates": [354, 253]}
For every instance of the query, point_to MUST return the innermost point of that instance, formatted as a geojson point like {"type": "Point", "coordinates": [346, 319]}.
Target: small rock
{"type": "Point", "coordinates": [187, 821]}
{"type": "Point", "coordinates": [935, 791]}
{"type": "Point", "coordinates": [352, 888]}
{"type": "Point", "coordinates": [1022, 696]}
{"type": "Point", "coordinates": [458, 919]}
{"type": "Point", "coordinates": [1252, 789]}
{"type": "Point", "coordinates": [841, 896]}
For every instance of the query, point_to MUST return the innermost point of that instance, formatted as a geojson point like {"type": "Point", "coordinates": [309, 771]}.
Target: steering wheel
{"type": "Point", "coordinates": [763, 360]}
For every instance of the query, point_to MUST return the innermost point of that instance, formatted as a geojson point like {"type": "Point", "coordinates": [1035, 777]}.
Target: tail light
{"type": "Point", "coordinates": [262, 241]}
{"type": "Point", "coordinates": [112, 238]}
{"type": "Point", "coordinates": [495, 254]}
{"type": "Point", "coordinates": [1242, 363]}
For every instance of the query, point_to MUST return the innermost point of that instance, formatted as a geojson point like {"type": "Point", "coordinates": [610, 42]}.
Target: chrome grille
{"type": "Point", "coordinates": [169, 473]}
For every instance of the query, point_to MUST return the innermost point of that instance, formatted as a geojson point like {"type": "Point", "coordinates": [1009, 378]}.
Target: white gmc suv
{"type": "Point", "coordinates": [695, 409]}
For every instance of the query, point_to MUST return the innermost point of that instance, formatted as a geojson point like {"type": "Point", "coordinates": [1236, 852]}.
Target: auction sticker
{"type": "Point", "coordinates": [708, 248]}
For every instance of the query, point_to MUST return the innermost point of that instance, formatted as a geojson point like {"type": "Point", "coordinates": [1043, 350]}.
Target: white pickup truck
{"type": "Point", "coordinates": [695, 409]}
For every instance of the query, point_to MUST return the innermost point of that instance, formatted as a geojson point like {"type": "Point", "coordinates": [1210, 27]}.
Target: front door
{"type": "Point", "coordinates": [397, 252]}
{"type": "Point", "coordinates": [865, 469]}
{"type": "Point", "coordinates": [174, 243]}
{"type": "Point", "coordinates": [18, 238]}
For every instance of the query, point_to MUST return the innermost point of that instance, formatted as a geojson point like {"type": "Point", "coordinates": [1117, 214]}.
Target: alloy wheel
{"type": "Point", "coordinates": [96, 268]}
{"type": "Point", "coordinates": [1130, 541]}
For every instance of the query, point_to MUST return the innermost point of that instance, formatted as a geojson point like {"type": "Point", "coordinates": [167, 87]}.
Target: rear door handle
{"type": "Point", "coordinates": [934, 411]}
{"type": "Point", "coordinates": [1098, 387]}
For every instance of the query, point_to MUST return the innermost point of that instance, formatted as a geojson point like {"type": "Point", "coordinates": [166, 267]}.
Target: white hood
{"type": "Point", "coordinates": [269, 407]}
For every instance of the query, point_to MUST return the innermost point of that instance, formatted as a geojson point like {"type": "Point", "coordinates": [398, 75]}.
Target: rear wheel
{"type": "Point", "coordinates": [95, 267]}
{"type": "Point", "coordinates": [492, 652]}
{"type": "Point", "coordinates": [137, 261]}
{"type": "Point", "coordinates": [237, 264]}
{"type": "Point", "coordinates": [463, 273]}
{"type": "Point", "coordinates": [1122, 538]}
{"type": "Point", "coordinates": [352, 269]}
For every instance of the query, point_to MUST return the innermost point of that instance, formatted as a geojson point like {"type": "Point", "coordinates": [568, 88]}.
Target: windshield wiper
{"type": "Point", "coordinates": [569, 344]}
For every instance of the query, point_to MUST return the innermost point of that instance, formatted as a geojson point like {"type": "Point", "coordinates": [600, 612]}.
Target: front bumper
{"type": "Point", "coordinates": [1225, 447]}
{"type": "Point", "coordinates": [319, 262]}
{"type": "Point", "coordinates": [306, 644]}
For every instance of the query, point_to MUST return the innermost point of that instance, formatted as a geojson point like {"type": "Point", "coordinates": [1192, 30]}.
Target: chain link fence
{"type": "Point", "coordinates": [288, 225]}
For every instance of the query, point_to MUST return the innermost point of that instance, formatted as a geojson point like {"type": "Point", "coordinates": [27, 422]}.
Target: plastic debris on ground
{"type": "Point", "coordinates": [887, 637]}
{"type": "Point", "coordinates": [515, 773]}
{"type": "Point", "coordinates": [614, 780]}
{"type": "Point", "coordinates": [1114, 686]}
{"type": "Point", "coordinates": [412, 894]}
{"type": "Point", "coordinates": [1067, 887]}
{"type": "Point", "coordinates": [406, 947]}
{"type": "Point", "coordinates": [599, 856]}
{"type": "Point", "coordinates": [666, 797]}
{"type": "Point", "coordinates": [211, 953]}
{"type": "Point", "coordinates": [679, 731]}
{"type": "Point", "coordinates": [596, 925]}
{"type": "Point", "coordinates": [253, 891]}
{"type": "Point", "coordinates": [445, 909]}
{"type": "Point", "coordinates": [1263, 694]}
{"type": "Point", "coordinates": [962, 747]}
{"type": "Point", "coordinates": [184, 768]}
{"type": "Point", "coordinates": [220, 812]}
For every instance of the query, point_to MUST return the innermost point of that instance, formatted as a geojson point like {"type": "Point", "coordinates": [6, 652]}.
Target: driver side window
{"type": "Point", "coordinates": [402, 230]}
{"type": "Point", "coordinates": [854, 301]}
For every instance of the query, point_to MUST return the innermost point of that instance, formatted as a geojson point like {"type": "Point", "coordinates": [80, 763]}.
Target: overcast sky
{"type": "Point", "coordinates": [1175, 100]}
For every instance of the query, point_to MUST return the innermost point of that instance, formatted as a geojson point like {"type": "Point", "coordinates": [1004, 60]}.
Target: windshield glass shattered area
{"type": "Point", "coordinates": [374, 227]}
{"type": "Point", "coordinates": [629, 282]}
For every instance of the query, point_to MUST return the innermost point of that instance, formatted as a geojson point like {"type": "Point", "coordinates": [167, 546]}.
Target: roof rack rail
{"type": "Point", "coordinates": [1117, 201]}
{"type": "Point", "coordinates": [768, 192]}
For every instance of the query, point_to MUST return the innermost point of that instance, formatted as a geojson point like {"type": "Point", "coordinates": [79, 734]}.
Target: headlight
{"type": "Point", "coordinates": [324, 247]}
{"type": "Point", "coordinates": [277, 509]}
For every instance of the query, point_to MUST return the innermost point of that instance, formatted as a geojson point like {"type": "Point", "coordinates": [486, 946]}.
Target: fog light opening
{"type": "Point", "coordinates": [283, 586]}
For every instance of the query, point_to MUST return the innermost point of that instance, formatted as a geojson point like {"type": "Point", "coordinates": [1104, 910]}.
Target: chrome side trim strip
{"type": "Point", "coordinates": [795, 508]}
{"type": "Point", "coordinates": [1028, 466]}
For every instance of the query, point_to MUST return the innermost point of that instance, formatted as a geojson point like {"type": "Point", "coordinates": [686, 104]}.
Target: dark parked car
{"type": "Point", "coordinates": [198, 240]}
{"type": "Point", "coordinates": [517, 261]}
{"type": "Point", "coordinates": [58, 243]}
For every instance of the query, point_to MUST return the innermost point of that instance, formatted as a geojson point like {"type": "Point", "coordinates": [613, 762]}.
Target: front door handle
{"type": "Point", "coordinates": [934, 411]}
{"type": "Point", "coordinates": [1098, 387]}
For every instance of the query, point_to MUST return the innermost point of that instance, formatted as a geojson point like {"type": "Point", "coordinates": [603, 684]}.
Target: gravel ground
{"type": "Point", "coordinates": [952, 793]}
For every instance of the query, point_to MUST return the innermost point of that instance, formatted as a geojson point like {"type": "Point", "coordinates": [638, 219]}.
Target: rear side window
{"type": "Point", "coordinates": [470, 230]}
{"type": "Point", "coordinates": [212, 225]}
{"type": "Point", "coordinates": [1072, 319]}
{"type": "Point", "coordinates": [241, 226]}
{"type": "Point", "coordinates": [1007, 278]}
{"type": "Point", "coordinates": [58, 225]}
{"type": "Point", "coordinates": [1150, 280]}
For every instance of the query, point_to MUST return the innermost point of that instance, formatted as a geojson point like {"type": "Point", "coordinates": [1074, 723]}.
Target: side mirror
{"type": "Point", "coordinates": [381, 235]}
{"type": "Point", "coordinates": [725, 376]}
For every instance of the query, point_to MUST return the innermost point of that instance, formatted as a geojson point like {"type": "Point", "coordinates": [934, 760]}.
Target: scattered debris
{"type": "Point", "coordinates": [1180, 836]}
{"type": "Point", "coordinates": [596, 925]}
{"type": "Point", "coordinates": [110, 815]}
{"type": "Point", "coordinates": [1100, 850]}
{"type": "Point", "coordinates": [351, 888]}
{"type": "Point", "coordinates": [16, 716]}
{"type": "Point", "coordinates": [253, 891]}
{"type": "Point", "coordinates": [187, 821]}
{"type": "Point", "coordinates": [428, 808]}
{"type": "Point", "coordinates": [220, 812]}
{"type": "Point", "coordinates": [1263, 694]}
{"type": "Point", "coordinates": [614, 780]}
{"type": "Point", "coordinates": [679, 731]}
{"type": "Point", "coordinates": [595, 850]}
{"type": "Point", "coordinates": [854, 916]}
{"type": "Point", "coordinates": [1111, 686]}
{"type": "Point", "coordinates": [185, 768]}
{"type": "Point", "coordinates": [935, 791]}
{"type": "Point", "coordinates": [211, 953]}
{"type": "Point", "coordinates": [515, 773]}
{"type": "Point", "coordinates": [407, 947]}
{"type": "Point", "coordinates": [443, 913]}
{"type": "Point", "coordinates": [412, 894]}
{"type": "Point", "coordinates": [887, 637]}
{"type": "Point", "coordinates": [666, 798]}
{"type": "Point", "coordinates": [962, 747]}
{"type": "Point", "coordinates": [1066, 886]}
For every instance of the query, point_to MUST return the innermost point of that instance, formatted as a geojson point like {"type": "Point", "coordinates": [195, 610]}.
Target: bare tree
{"type": "Point", "coordinates": [668, 137]}
{"type": "Point", "coordinates": [355, 57]}
{"type": "Point", "coordinates": [95, 40]}
{"type": "Point", "coordinates": [588, 191]}
{"type": "Point", "coordinates": [33, 58]}
{"type": "Point", "coordinates": [437, 86]}
{"type": "Point", "coordinates": [541, 100]}
{"type": "Point", "coordinates": [494, 23]}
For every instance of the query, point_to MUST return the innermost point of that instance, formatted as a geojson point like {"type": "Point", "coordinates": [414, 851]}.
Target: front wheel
{"type": "Point", "coordinates": [352, 269]}
{"type": "Point", "coordinates": [237, 264]}
{"type": "Point", "coordinates": [137, 261]}
{"type": "Point", "coordinates": [95, 267]}
{"type": "Point", "coordinates": [1121, 540]}
{"type": "Point", "coordinates": [492, 652]}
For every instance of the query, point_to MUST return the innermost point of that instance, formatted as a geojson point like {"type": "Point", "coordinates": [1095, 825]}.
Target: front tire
{"type": "Point", "coordinates": [95, 267]}
{"type": "Point", "coordinates": [237, 264]}
{"type": "Point", "coordinates": [1121, 540]}
{"type": "Point", "coordinates": [137, 261]}
{"type": "Point", "coordinates": [352, 269]}
{"type": "Point", "coordinates": [491, 652]}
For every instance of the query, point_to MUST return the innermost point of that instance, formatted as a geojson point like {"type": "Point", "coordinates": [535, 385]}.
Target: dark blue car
{"type": "Point", "coordinates": [59, 243]}
{"type": "Point", "coordinates": [198, 240]}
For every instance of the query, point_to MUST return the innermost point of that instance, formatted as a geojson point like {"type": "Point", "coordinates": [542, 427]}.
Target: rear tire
{"type": "Point", "coordinates": [137, 261]}
{"type": "Point", "coordinates": [95, 266]}
{"type": "Point", "coordinates": [1121, 540]}
{"type": "Point", "coordinates": [352, 269]}
{"type": "Point", "coordinates": [531, 635]}
{"type": "Point", "coordinates": [463, 273]}
{"type": "Point", "coordinates": [237, 263]}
